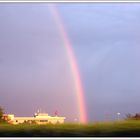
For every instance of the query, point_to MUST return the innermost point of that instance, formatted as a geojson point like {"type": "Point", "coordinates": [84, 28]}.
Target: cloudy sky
{"type": "Point", "coordinates": [34, 68]}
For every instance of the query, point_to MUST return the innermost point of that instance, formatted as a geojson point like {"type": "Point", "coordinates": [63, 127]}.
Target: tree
{"type": "Point", "coordinates": [133, 117]}
{"type": "Point", "coordinates": [1, 113]}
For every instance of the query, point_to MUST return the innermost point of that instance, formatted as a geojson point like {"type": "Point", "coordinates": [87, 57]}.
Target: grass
{"type": "Point", "coordinates": [106, 129]}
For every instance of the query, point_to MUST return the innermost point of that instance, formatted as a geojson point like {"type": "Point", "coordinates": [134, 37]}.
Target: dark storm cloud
{"type": "Point", "coordinates": [34, 61]}
{"type": "Point", "coordinates": [105, 38]}
{"type": "Point", "coordinates": [106, 41]}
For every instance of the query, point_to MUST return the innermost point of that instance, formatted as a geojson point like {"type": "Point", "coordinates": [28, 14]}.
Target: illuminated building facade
{"type": "Point", "coordinates": [38, 118]}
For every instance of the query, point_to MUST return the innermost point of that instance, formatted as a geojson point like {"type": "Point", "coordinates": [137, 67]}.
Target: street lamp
{"type": "Point", "coordinates": [118, 116]}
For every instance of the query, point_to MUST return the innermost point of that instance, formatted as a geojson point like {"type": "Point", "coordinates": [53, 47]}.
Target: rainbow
{"type": "Point", "coordinates": [70, 53]}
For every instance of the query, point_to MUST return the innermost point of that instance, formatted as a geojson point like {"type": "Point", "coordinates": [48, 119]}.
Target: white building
{"type": "Point", "coordinates": [39, 118]}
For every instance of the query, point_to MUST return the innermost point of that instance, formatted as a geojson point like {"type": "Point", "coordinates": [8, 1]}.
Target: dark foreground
{"type": "Point", "coordinates": [110, 129]}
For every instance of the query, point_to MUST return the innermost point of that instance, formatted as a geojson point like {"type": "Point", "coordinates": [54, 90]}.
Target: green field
{"type": "Point", "coordinates": [108, 129]}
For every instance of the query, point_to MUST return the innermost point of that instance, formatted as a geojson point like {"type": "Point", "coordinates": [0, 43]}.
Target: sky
{"type": "Point", "coordinates": [34, 67]}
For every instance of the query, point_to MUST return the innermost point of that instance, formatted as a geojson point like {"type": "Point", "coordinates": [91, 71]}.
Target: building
{"type": "Point", "coordinates": [38, 118]}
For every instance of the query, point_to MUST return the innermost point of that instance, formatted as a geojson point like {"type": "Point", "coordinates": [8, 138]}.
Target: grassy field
{"type": "Point", "coordinates": [108, 129]}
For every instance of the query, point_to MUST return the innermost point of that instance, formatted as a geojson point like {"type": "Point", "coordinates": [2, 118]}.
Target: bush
{"type": "Point", "coordinates": [133, 117]}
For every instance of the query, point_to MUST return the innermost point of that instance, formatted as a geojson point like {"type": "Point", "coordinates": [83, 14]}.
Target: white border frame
{"type": "Point", "coordinates": [71, 1]}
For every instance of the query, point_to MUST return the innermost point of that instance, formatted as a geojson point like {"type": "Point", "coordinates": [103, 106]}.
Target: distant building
{"type": "Point", "coordinates": [39, 118]}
